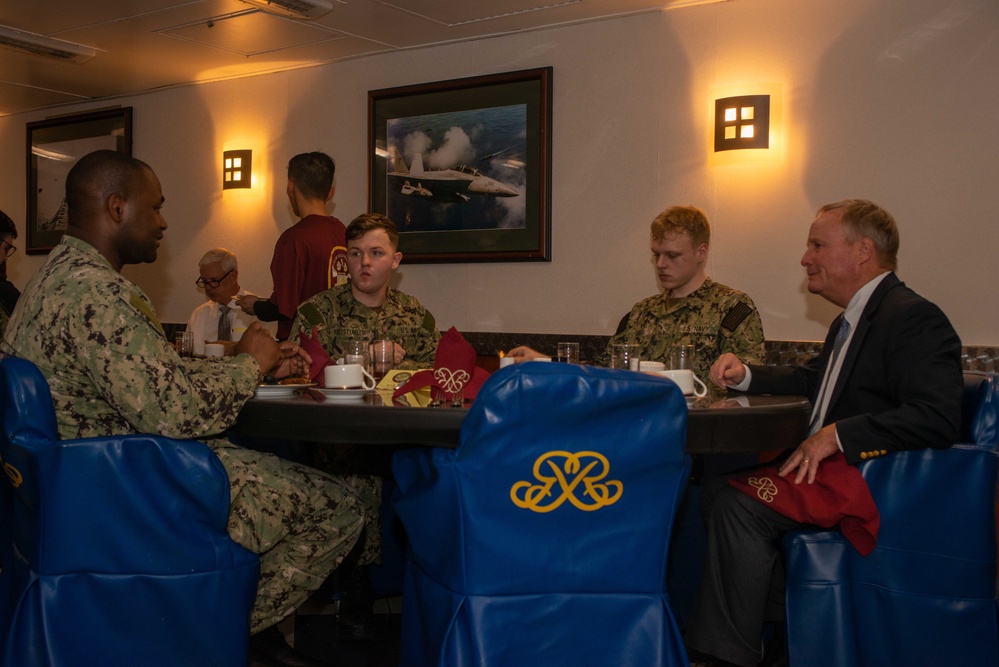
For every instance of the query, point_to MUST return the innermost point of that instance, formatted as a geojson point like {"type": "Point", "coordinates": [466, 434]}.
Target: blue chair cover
{"type": "Point", "coordinates": [120, 554]}
{"type": "Point", "coordinates": [502, 571]}
{"type": "Point", "coordinates": [927, 594]}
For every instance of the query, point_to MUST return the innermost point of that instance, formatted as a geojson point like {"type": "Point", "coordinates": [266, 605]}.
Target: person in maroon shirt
{"type": "Point", "coordinates": [310, 256]}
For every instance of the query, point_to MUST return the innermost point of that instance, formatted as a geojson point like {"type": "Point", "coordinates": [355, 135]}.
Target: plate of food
{"type": "Point", "coordinates": [285, 388]}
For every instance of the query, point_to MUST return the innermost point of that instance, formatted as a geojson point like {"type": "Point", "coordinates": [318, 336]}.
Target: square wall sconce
{"type": "Point", "coordinates": [237, 169]}
{"type": "Point", "coordinates": [742, 122]}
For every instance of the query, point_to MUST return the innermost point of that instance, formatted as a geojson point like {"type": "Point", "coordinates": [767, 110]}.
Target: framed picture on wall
{"type": "Point", "coordinates": [462, 167]}
{"type": "Point", "coordinates": [54, 146]}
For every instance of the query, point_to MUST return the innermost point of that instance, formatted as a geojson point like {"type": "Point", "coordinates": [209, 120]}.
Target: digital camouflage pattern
{"type": "Point", "coordinates": [96, 339]}
{"type": "Point", "coordinates": [338, 316]}
{"type": "Point", "coordinates": [714, 318]}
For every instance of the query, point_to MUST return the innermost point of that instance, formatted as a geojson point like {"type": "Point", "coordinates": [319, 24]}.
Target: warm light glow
{"type": "Point", "coordinates": [237, 167]}
{"type": "Point", "coordinates": [747, 113]}
{"type": "Point", "coordinates": [730, 114]}
{"type": "Point", "coordinates": [746, 132]}
{"type": "Point", "coordinates": [732, 130]}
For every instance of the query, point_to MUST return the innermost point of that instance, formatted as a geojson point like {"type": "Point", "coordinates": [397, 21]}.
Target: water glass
{"type": "Point", "coordinates": [567, 353]}
{"type": "Point", "coordinates": [358, 351]}
{"type": "Point", "coordinates": [625, 356]}
{"type": "Point", "coordinates": [184, 341]}
{"type": "Point", "coordinates": [382, 358]}
{"type": "Point", "coordinates": [682, 357]}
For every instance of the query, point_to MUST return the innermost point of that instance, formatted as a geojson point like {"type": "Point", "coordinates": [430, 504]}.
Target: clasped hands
{"type": "Point", "coordinates": [284, 359]}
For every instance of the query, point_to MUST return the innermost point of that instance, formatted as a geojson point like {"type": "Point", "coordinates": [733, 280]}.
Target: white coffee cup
{"type": "Point", "coordinates": [214, 350]}
{"type": "Point", "coordinates": [651, 366]}
{"type": "Point", "coordinates": [347, 376]}
{"type": "Point", "coordinates": [689, 383]}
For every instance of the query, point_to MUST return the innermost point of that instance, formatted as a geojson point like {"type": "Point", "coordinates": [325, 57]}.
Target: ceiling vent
{"type": "Point", "coordinates": [40, 45]}
{"type": "Point", "coordinates": [297, 9]}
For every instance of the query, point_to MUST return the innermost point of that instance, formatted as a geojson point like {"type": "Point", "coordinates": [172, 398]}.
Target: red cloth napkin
{"type": "Point", "coordinates": [454, 370]}
{"type": "Point", "coordinates": [839, 495]}
{"type": "Point", "coordinates": [320, 357]}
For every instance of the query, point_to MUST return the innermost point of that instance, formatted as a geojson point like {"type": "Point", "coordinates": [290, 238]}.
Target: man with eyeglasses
{"type": "Point", "coordinates": [219, 319]}
{"type": "Point", "coordinates": [8, 293]}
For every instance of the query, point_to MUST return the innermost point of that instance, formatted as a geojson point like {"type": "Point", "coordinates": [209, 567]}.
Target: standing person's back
{"type": "Point", "coordinates": [310, 256]}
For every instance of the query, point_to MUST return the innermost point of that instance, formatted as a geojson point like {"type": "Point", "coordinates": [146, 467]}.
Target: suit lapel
{"type": "Point", "coordinates": [859, 334]}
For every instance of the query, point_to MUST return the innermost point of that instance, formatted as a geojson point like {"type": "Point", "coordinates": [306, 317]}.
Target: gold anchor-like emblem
{"type": "Point", "coordinates": [451, 381]}
{"type": "Point", "coordinates": [13, 473]}
{"type": "Point", "coordinates": [588, 470]}
{"type": "Point", "coordinates": [765, 488]}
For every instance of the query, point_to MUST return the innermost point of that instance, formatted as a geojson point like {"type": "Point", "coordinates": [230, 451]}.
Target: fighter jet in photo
{"type": "Point", "coordinates": [446, 185]}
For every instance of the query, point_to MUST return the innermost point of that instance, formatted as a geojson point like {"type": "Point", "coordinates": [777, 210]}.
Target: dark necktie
{"type": "Point", "coordinates": [225, 329]}
{"type": "Point", "coordinates": [827, 380]}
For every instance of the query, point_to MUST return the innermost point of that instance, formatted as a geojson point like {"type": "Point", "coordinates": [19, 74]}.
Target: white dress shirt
{"type": "Point", "coordinates": [204, 322]}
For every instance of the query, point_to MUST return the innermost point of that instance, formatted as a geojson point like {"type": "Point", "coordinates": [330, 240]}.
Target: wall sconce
{"type": "Point", "coordinates": [742, 122]}
{"type": "Point", "coordinates": [237, 169]}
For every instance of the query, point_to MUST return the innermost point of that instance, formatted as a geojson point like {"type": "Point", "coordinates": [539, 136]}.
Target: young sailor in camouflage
{"type": "Point", "coordinates": [367, 303]}
{"type": "Point", "coordinates": [714, 319]}
{"type": "Point", "coordinates": [692, 309]}
{"type": "Point", "coordinates": [96, 338]}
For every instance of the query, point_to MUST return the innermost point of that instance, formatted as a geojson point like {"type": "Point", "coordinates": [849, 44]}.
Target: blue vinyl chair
{"type": "Point", "coordinates": [120, 554]}
{"type": "Point", "coordinates": [543, 539]}
{"type": "Point", "coordinates": [927, 594]}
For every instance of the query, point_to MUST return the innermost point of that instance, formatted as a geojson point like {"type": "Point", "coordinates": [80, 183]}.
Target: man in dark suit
{"type": "Point", "coordinates": [888, 379]}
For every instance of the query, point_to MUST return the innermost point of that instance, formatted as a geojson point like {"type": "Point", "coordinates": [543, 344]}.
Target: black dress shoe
{"type": "Point", "coordinates": [269, 649]}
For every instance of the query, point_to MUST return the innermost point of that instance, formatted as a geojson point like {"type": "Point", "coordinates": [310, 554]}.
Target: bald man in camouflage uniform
{"type": "Point", "coordinates": [111, 371]}
{"type": "Point", "coordinates": [692, 308]}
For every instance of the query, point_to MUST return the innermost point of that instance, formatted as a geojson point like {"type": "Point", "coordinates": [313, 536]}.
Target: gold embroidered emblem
{"type": "Point", "coordinates": [13, 473]}
{"type": "Point", "coordinates": [451, 381]}
{"type": "Point", "coordinates": [765, 488]}
{"type": "Point", "coordinates": [587, 470]}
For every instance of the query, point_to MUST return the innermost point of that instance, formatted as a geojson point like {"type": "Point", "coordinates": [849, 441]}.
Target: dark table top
{"type": "Point", "coordinates": [718, 422]}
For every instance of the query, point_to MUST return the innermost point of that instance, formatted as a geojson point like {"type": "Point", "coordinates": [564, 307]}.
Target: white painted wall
{"type": "Point", "coordinates": [894, 100]}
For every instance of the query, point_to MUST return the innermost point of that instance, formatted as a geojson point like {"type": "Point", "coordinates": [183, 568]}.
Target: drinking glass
{"type": "Point", "coordinates": [184, 342]}
{"type": "Point", "coordinates": [358, 351]}
{"type": "Point", "coordinates": [626, 356]}
{"type": "Point", "coordinates": [382, 358]}
{"type": "Point", "coordinates": [682, 357]}
{"type": "Point", "coordinates": [567, 353]}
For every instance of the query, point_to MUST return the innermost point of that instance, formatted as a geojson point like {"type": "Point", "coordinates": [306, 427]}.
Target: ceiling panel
{"type": "Point", "coordinates": [147, 44]}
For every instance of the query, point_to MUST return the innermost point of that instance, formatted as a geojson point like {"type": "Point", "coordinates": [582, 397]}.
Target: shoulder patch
{"type": "Point", "coordinates": [736, 316]}
{"type": "Point", "coordinates": [429, 323]}
{"type": "Point", "coordinates": [140, 305]}
{"type": "Point", "coordinates": [311, 316]}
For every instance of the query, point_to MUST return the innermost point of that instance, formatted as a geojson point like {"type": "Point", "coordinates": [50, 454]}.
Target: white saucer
{"type": "Point", "coordinates": [345, 394]}
{"type": "Point", "coordinates": [280, 390]}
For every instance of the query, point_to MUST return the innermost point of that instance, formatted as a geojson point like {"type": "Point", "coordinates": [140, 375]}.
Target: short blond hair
{"type": "Point", "coordinates": [865, 219]}
{"type": "Point", "coordinates": [688, 220]}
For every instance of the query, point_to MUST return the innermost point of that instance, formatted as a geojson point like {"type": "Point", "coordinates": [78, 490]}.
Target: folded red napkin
{"type": "Point", "coordinates": [320, 357]}
{"type": "Point", "coordinates": [839, 495]}
{"type": "Point", "coordinates": [454, 370]}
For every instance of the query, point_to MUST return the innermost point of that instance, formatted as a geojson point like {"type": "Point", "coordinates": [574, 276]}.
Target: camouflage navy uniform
{"type": "Point", "coordinates": [95, 337]}
{"type": "Point", "coordinates": [714, 318]}
{"type": "Point", "coordinates": [337, 315]}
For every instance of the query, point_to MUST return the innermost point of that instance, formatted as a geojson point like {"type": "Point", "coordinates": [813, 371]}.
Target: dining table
{"type": "Point", "coordinates": [720, 422]}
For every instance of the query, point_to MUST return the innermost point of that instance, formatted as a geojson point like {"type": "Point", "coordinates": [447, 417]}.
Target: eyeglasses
{"type": "Point", "coordinates": [9, 248]}
{"type": "Point", "coordinates": [202, 283]}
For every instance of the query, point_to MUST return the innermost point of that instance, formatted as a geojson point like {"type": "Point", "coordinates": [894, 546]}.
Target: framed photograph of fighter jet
{"type": "Point", "coordinates": [462, 167]}
{"type": "Point", "coordinates": [54, 146]}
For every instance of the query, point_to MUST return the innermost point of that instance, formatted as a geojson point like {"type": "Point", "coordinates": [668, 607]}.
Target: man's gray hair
{"type": "Point", "coordinates": [222, 256]}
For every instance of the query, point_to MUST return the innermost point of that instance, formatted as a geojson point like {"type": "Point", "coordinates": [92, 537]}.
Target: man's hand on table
{"type": "Point", "coordinates": [727, 370]}
{"type": "Point", "coordinates": [523, 353]}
